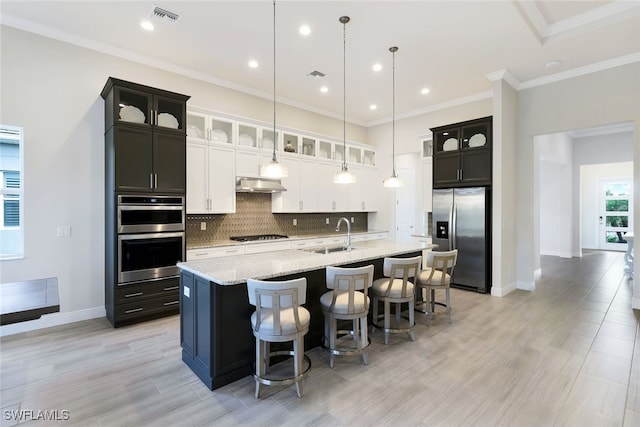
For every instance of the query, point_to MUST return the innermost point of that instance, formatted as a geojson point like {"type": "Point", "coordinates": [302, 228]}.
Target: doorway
{"type": "Point", "coordinates": [615, 202]}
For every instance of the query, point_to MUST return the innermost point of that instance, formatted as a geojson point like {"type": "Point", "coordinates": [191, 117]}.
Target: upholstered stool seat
{"type": "Point", "coordinates": [279, 318]}
{"type": "Point", "coordinates": [395, 288]}
{"type": "Point", "coordinates": [347, 300]}
{"type": "Point", "coordinates": [436, 275]}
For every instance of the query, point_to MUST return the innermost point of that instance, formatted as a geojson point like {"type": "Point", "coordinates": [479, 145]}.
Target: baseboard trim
{"type": "Point", "coordinates": [503, 291]}
{"type": "Point", "coordinates": [537, 274]}
{"type": "Point", "coordinates": [53, 319]}
{"type": "Point", "coordinates": [557, 253]}
{"type": "Point", "coordinates": [527, 286]}
{"type": "Point", "coordinates": [635, 303]}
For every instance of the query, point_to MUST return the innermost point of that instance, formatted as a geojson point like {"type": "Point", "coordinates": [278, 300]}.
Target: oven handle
{"type": "Point", "coordinates": [150, 235]}
{"type": "Point", "coordinates": [150, 208]}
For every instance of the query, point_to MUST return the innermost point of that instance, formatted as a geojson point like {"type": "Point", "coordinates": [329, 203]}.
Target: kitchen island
{"type": "Point", "coordinates": [215, 327]}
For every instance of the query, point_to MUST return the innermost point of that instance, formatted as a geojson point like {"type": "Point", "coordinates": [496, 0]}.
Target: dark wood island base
{"type": "Point", "coordinates": [215, 328]}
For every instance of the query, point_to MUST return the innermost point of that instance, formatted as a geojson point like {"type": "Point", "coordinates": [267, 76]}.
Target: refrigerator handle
{"type": "Point", "coordinates": [454, 226]}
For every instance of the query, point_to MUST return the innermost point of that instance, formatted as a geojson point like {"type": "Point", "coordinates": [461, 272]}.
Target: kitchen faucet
{"type": "Point", "coordinates": [347, 245]}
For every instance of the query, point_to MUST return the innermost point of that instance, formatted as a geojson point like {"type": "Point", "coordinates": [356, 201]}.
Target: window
{"type": "Point", "coordinates": [11, 191]}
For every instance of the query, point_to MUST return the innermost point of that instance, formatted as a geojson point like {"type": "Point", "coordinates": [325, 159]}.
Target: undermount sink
{"type": "Point", "coordinates": [329, 250]}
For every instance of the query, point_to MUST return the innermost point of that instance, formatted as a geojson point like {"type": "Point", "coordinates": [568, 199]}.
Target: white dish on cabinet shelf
{"type": "Point", "coordinates": [450, 144]}
{"type": "Point", "coordinates": [167, 120]}
{"type": "Point", "coordinates": [194, 131]}
{"type": "Point", "coordinates": [338, 155]}
{"type": "Point", "coordinates": [245, 140]}
{"type": "Point", "coordinates": [129, 113]}
{"type": "Point", "coordinates": [477, 140]}
{"type": "Point", "coordinates": [367, 160]}
{"type": "Point", "coordinates": [219, 135]}
{"type": "Point", "coordinates": [324, 153]}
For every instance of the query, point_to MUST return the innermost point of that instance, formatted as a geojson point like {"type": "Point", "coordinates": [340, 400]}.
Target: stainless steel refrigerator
{"type": "Point", "coordinates": [462, 220]}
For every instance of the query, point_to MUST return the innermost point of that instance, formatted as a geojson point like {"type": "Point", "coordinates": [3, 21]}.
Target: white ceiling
{"type": "Point", "coordinates": [451, 47]}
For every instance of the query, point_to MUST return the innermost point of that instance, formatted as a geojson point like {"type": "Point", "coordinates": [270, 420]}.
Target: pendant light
{"type": "Point", "coordinates": [273, 169]}
{"type": "Point", "coordinates": [343, 176]}
{"type": "Point", "coordinates": [393, 181]}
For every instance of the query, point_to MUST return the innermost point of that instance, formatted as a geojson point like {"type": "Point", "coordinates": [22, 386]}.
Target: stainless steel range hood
{"type": "Point", "coordinates": [258, 185]}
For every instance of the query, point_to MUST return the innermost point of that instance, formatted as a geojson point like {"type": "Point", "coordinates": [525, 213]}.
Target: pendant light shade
{"type": "Point", "coordinates": [274, 169]}
{"type": "Point", "coordinates": [393, 181]}
{"type": "Point", "coordinates": [343, 176]}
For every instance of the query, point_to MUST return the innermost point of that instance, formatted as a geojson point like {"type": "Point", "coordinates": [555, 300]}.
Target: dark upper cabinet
{"type": "Point", "coordinates": [145, 138]}
{"type": "Point", "coordinates": [462, 154]}
{"type": "Point", "coordinates": [137, 105]}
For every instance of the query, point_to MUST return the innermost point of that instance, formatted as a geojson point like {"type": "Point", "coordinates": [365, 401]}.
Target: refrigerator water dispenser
{"type": "Point", "coordinates": [442, 229]}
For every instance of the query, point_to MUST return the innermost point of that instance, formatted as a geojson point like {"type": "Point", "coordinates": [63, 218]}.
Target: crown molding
{"type": "Point", "coordinates": [546, 32]}
{"type": "Point", "coordinates": [505, 75]}
{"type": "Point", "coordinates": [602, 130]}
{"type": "Point", "coordinates": [442, 106]}
{"type": "Point", "coordinates": [581, 71]}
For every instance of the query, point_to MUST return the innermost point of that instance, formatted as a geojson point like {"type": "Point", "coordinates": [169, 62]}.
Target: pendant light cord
{"type": "Point", "coordinates": [393, 111]}
{"type": "Point", "coordinates": [275, 139]}
{"type": "Point", "coordinates": [344, 92]}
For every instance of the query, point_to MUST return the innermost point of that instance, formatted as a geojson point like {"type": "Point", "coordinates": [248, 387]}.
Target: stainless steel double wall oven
{"type": "Point", "coordinates": [151, 237]}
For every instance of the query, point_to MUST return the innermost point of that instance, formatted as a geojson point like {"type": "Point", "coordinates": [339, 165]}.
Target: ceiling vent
{"type": "Point", "coordinates": [164, 15]}
{"type": "Point", "coordinates": [316, 73]}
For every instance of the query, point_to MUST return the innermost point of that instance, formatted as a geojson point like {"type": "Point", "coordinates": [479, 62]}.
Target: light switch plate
{"type": "Point", "coordinates": [203, 225]}
{"type": "Point", "coordinates": [63, 231]}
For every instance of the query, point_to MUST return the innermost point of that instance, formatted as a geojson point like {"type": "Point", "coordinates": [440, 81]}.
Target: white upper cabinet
{"type": "Point", "coordinates": [205, 127]}
{"type": "Point", "coordinates": [210, 178]}
{"type": "Point", "coordinates": [311, 161]}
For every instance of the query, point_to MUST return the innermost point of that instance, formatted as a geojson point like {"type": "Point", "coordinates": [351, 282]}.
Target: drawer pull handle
{"type": "Point", "coordinates": [137, 294]}
{"type": "Point", "coordinates": [171, 303]}
{"type": "Point", "coordinates": [172, 288]}
{"type": "Point", "coordinates": [133, 310]}
{"type": "Point", "coordinates": [203, 254]}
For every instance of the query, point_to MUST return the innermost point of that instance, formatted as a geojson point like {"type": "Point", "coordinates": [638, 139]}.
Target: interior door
{"type": "Point", "coordinates": [616, 212]}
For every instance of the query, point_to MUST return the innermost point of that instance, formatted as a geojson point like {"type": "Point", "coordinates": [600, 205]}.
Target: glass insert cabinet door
{"type": "Point", "coordinates": [616, 212]}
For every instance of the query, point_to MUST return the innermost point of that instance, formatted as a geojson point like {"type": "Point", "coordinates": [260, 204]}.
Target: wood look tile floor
{"type": "Point", "coordinates": [567, 354]}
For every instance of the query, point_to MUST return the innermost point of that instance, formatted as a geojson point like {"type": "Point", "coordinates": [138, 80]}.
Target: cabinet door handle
{"type": "Point", "coordinates": [171, 288]}
{"type": "Point", "coordinates": [155, 180]}
{"type": "Point", "coordinates": [136, 294]}
{"type": "Point", "coordinates": [333, 205]}
{"type": "Point", "coordinates": [461, 175]}
{"type": "Point", "coordinates": [362, 205]}
{"type": "Point", "coordinates": [155, 117]}
{"type": "Point", "coordinates": [133, 310]}
{"type": "Point", "coordinates": [300, 205]}
{"type": "Point", "coordinates": [150, 180]}
{"type": "Point", "coordinates": [171, 303]}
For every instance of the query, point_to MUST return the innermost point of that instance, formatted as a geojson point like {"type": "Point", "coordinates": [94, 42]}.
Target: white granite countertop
{"type": "Point", "coordinates": [227, 242]}
{"type": "Point", "coordinates": [231, 270]}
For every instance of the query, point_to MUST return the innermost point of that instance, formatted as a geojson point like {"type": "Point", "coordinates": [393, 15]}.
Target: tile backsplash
{"type": "Point", "coordinates": [253, 216]}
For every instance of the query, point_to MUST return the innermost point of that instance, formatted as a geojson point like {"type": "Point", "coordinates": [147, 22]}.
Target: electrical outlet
{"type": "Point", "coordinates": [326, 221]}
{"type": "Point", "coordinates": [295, 221]}
{"type": "Point", "coordinates": [203, 225]}
{"type": "Point", "coordinates": [63, 231]}
{"type": "Point", "coordinates": [353, 220]}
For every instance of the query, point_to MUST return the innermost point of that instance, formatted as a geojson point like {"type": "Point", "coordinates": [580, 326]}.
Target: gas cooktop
{"type": "Point", "coordinates": [258, 237]}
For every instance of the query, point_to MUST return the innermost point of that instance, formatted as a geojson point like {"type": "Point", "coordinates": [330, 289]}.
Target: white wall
{"type": "Point", "coordinates": [52, 89]}
{"type": "Point", "coordinates": [596, 99]}
{"type": "Point", "coordinates": [556, 187]}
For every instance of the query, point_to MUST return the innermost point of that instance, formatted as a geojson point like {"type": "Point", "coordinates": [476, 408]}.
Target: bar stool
{"type": "Point", "coordinates": [279, 318]}
{"type": "Point", "coordinates": [396, 288]}
{"type": "Point", "coordinates": [347, 300]}
{"type": "Point", "coordinates": [436, 275]}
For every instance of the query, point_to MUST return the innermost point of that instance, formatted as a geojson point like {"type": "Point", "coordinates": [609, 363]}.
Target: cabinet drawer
{"type": "Point", "coordinates": [168, 303]}
{"type": "Point", "coordinates": [194, 254]}
{"type": "Point", "coordinates": [143, 291]}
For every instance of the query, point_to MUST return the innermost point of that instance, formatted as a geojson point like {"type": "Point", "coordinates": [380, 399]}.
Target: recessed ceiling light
{"type": "Point", "coordinates": [324, 89]}
{"type": "Point", "coordinates": [552, 64]}
{"type": "Point", "coordinates": [377, 67]}
{"type": "Point", "coordinates": [147, 25]}
{"type": "Point", "coordinates": [373, 107]}
{"type": "Point", "coordinates": [253, 63]}
{"type": "Point", "coordinates": [305, 30]}
{"type": "Point", "coordinates": [424, 90]}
